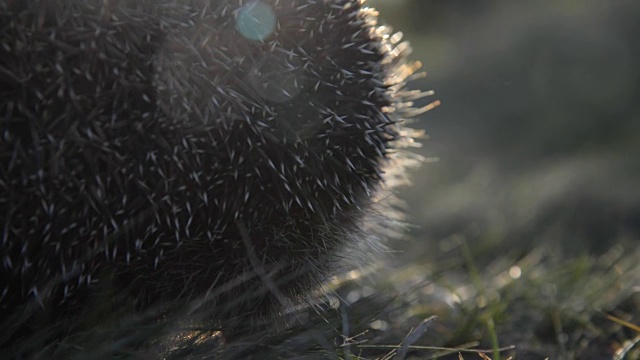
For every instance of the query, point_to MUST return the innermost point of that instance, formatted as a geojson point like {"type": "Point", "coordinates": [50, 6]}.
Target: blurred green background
{"type": "Point", "coordinates": [539, 130]}
{"type": "Point", "coordinates": [525, 231]}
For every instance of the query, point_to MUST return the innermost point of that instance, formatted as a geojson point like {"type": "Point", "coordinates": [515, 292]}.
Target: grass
{"type": "Point", "coordinates": [537, 306]}
{"type": "Point", "coordinates": [534, 307]}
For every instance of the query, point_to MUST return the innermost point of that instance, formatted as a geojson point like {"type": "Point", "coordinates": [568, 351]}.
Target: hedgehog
{"type": "Point", "coordinates": [158, 153]}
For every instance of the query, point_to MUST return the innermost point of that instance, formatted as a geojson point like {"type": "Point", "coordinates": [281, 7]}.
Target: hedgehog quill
{"type": "Point", "coordinates": [159, 153]}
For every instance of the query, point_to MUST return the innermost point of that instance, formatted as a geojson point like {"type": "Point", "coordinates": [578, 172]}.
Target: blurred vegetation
{"type": "Point", "coordinates": [526, 228]}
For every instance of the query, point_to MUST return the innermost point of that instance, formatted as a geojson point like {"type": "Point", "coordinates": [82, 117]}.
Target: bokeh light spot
{"type": "Point", "coordinates": [256, 21]}
{"type": "Point", "coordinates": [379, 325]}
{"type": "Point", "coordinates": [515, 272]}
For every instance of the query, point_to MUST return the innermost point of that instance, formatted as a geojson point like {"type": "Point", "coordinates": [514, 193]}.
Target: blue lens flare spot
{"type": "Point", "coordinates": [256, 21]}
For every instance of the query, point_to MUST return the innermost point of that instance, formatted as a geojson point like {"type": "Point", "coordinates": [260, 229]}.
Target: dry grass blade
{"type": "Point", "coordinates": [624, 323]}
{"type": "Point", "coordinates": [413, 337]}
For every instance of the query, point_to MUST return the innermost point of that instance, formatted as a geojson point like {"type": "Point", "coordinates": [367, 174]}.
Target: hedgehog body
{"type": "Point", "coordinates": [175, 150]}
